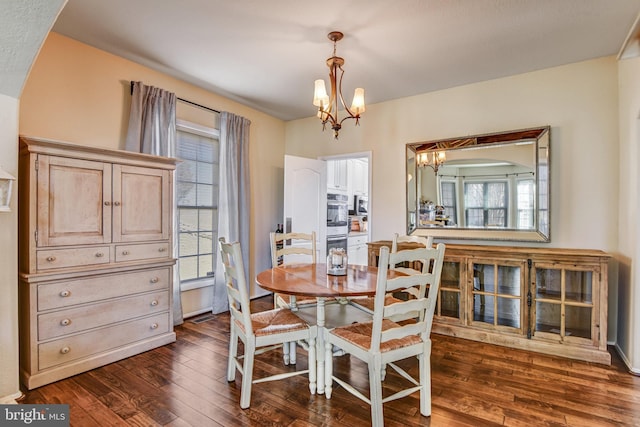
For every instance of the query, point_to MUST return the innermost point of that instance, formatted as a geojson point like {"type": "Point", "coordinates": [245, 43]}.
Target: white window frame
{"type": "Point", "coordinates": [208, 132]}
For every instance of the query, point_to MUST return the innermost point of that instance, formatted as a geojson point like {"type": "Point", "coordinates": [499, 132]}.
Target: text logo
{"type": "Point", "coordinates": [34, 415]}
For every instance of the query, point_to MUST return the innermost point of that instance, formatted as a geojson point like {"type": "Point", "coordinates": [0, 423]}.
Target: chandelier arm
{"type": "Point", "coordinates": [344, 105]}
{"type": "Point", "coordinates": [351, 117]}
{"type": "Point", "coordinates": [336, 89]}
{"type": "Point", "coordinates": [347, 109]}
{"type": "Point", "coordinates": [332, 99]}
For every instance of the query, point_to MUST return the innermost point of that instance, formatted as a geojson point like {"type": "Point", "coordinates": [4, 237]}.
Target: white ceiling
{"type": "Point", "coordinates": [266, 54]}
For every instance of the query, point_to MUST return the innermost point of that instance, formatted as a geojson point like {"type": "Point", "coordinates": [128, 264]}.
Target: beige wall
{"type": "Point", "coordinates": [9, 255]}
{"type": "Point", "coordinates": [578, 101]}
{"type": "Point", "coordinates": [80, 94]}
{"type": "Point", "coordinates": [628, 341]}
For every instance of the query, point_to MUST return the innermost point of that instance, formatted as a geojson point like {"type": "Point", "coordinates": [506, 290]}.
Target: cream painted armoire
{"type": "Point", "coordinates": [95, 257]}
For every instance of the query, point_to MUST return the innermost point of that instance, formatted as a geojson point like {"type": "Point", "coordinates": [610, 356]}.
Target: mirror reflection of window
{"type": "Point", "coordinates": [448, 199]}
{"type": "Point", "coordinates": [486, 204]}
{"type": "Point", "coordinates": [526, 196]}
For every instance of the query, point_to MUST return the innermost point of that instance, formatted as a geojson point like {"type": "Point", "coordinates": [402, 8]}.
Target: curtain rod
{"type": "Point", "coordinates": [189, 102]}
{"type": "Point", "coordinates": [499, 175]}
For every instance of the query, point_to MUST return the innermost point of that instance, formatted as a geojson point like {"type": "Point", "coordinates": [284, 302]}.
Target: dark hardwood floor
{"type": "Point", "coordinates": [473, 384]}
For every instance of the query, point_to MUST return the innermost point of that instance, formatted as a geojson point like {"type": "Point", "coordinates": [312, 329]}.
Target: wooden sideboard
{"type": "Point", "coordinates": [95, 255]}
{"type": "Point", "coordinates": [548, 300]}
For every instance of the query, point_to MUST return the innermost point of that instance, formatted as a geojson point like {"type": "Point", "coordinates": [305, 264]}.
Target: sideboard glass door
{"type": "Point", "coordinates": [450, 301]}
{"type": "Point", "coordinates": [496, 294]}
{"type": "Point", "coordinates": [564, 303]}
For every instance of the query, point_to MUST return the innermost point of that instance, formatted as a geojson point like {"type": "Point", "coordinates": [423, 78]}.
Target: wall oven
{"type": "Point", "coordinates": [337, 214]}
{"type": "Point", "coordinates": [337, 220]}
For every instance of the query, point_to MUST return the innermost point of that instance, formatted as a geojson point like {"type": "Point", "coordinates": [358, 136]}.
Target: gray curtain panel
{"type": "Point", "coordinates": [233, 200]}
{"type": "Point", "coordinates": [152, 130]}
{"type": "Point", "coordinates": [152, 121]}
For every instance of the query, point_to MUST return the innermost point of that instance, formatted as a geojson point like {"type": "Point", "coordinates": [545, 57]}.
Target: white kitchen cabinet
{"type": "Point", "coordinates": [357, 250]}
{"type": "Point", "coordinates": [357, 179]}
{"type": "Point", "coordinates": [337, 175]}
{"type": "Point", "coordinates": [360, 175]}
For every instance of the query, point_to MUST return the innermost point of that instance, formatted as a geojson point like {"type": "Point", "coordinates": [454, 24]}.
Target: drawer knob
{"type": "Point", "coordinates": [116, 203]}
{"type": "Point", "coordinates": [154, 303]}
{"type": "Point", "coordinates": [162, 249]}
{"type": "Point", "coordinates": [65, 350]}
{"type": "Point", "coordinates": [107, 203]}
{"type": "Point", "coordinates": [65, 294]}
{"type": "Point", "coordinates": [154, 326]}
{"type": "Point", "coordinates": [125, 252]}
{"type": "Point", "coordinates": [51, 258]}
{"type": "Point", "coordinates": [154, 280]}
{"type": "Point", "coordinates": [99, 255]}
{"type": "Point", "coordinates": [65, 322]}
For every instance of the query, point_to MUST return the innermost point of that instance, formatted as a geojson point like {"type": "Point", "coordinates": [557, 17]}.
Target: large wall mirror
{"type": "Point", "coordinates": [490, 187]}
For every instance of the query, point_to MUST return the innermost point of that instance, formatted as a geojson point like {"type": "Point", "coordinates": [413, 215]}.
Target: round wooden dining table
{"type": "Point", "coordinates": [313, 280]}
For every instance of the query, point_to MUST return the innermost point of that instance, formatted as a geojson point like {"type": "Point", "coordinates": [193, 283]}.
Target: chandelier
{"type": "Point", "coordinates": [431, 159]}
{"type": "Point", "coordinates": [328, 106]}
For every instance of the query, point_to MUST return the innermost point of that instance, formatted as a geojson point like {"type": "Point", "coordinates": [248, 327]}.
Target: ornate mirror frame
{"type": "Point", "coordinates": [518, 159]}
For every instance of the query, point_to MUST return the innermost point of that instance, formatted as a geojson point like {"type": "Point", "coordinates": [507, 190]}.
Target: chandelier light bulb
{"type": "Point", "coordinates": [320, 97]}
{"type": "Point", "coordinates": [357, 106]}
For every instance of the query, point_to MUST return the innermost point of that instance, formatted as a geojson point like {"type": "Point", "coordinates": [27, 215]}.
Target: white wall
{"type": "Point", "coordinates": [628, 342]}
{"type": "Point", "coordinates": [579, 101]}
{"type": "Point", "coordinates": [9, 255]}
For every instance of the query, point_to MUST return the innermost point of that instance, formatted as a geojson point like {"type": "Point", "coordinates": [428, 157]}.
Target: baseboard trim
{"type": "Point", "coordinates": [626, 361]}
{"type": "Point", "coordinates": [11, 399]}
{"type": "Point", "coordinates": [196, 312]}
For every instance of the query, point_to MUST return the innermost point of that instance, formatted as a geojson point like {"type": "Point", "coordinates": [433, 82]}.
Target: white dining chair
{"type": "Point", "coordinates": [367, 304]}
{"type": "Point", "coordinates": [292, 248]}
{"type": "Point", "coordinates": [383, 342]}
{"type": "Point", "coordinates": [259, 332]}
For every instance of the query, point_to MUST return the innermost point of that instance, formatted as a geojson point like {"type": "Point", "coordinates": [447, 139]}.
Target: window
{"type": "Point", "coordinates": [448, 191]}
{"type": "Point", "coordinates": [525, 202]}
{"type": "Point", "coordinates": [543, 197]}
{"type": "Point", "coordinates": [486, 204]}
{"type": "Point", "coordinates": [197, 199]}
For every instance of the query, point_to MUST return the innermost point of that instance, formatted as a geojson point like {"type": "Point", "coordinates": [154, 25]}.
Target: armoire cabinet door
{"type": "Point", "coordinates": [141, 204]}
{"type": "Point", "coordinates": [74, 201]}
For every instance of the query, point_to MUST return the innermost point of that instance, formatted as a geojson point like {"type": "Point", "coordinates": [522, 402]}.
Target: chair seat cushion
{"type": "Point", "coordinates": [274, 321]}
{"type": "Point", "coordinates": [360, 335]}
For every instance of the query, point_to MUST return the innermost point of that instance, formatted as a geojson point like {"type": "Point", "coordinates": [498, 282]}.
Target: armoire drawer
{"type": "Point", "coordinates": [71, 320]}
{"type": "Point", "coordinates": [68, 349]}
{"type": "Point", "coordinates": [143, 251]}
{"type": "Point", "coordinates": [79, 291]}
{"type": "Point", "coordinates": [78, 257]}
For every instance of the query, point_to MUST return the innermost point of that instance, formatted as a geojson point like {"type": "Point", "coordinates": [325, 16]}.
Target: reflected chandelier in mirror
{"type": "Point", "coordinates": [491, 187]}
